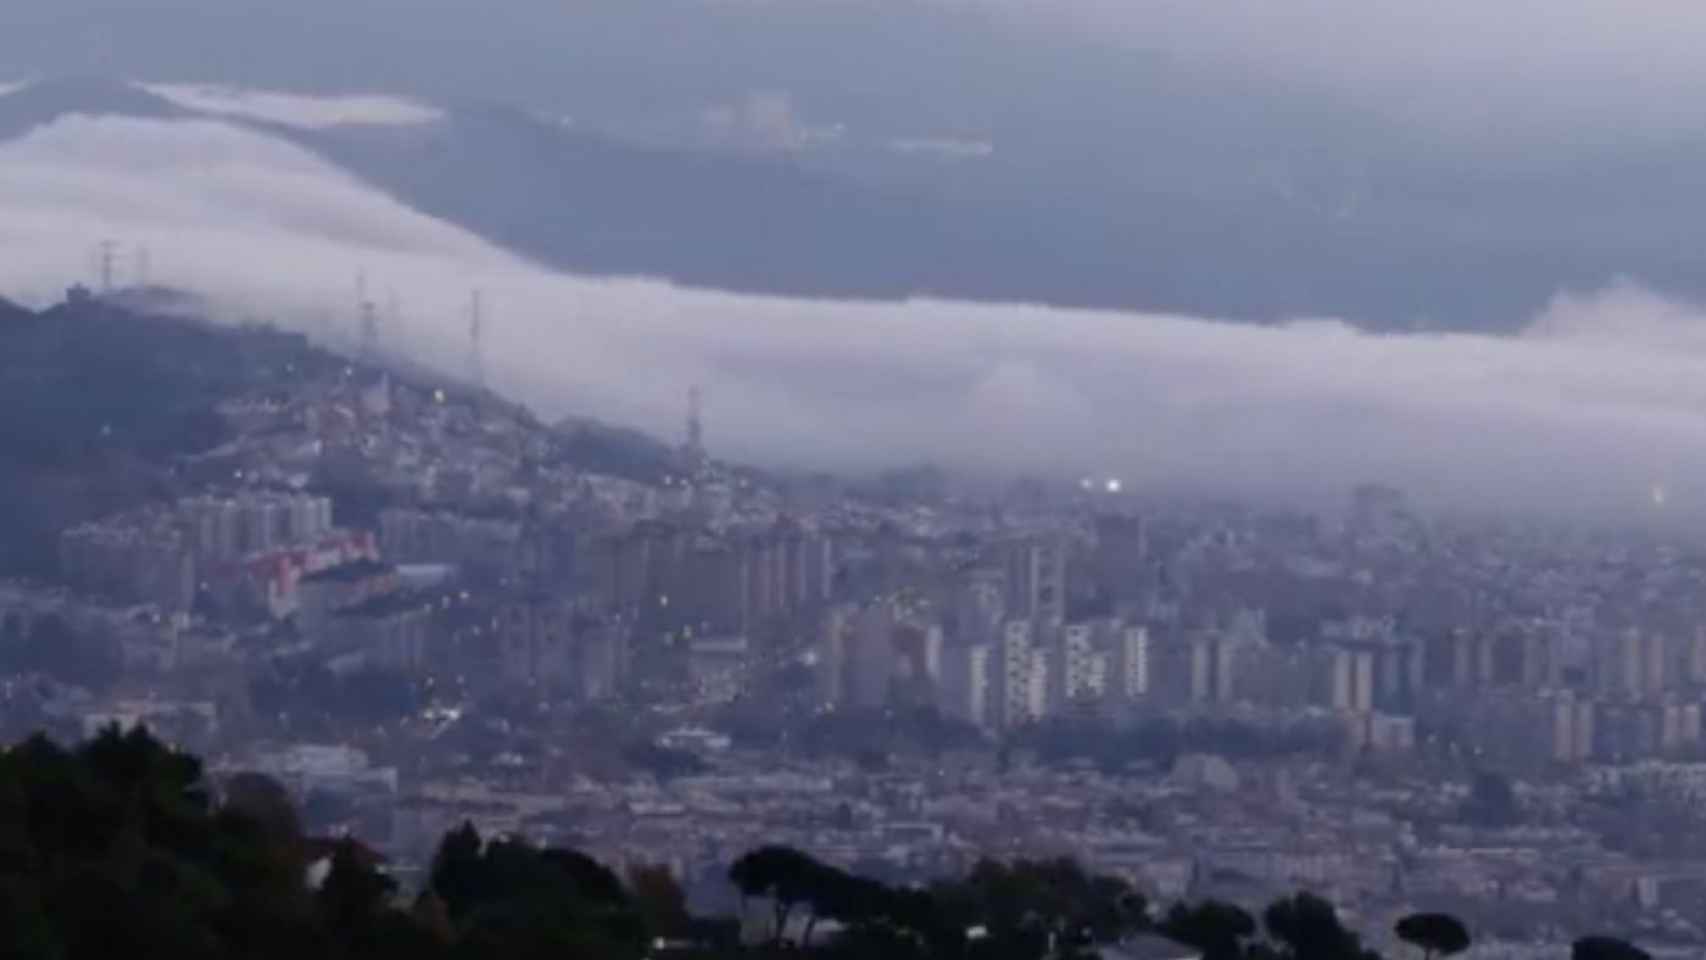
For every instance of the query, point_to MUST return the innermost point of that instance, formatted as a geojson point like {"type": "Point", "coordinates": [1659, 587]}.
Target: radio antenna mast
{"type": "Point", "coordinates": [476, 331]}
{"type": "Point", "coordinates": [108, 264]}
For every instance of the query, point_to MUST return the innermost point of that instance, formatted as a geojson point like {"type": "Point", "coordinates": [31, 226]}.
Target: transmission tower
{"type": "Point", "coordinates": [363, 310]}
{"type": "Point", "coordinates": [695, 424]}
{"type": "Point", "coordinates": [369, 331]}
{"type": "Point", "coordinates": [107, 259]}
{"type": "Point", "coordinates": [476, 330]}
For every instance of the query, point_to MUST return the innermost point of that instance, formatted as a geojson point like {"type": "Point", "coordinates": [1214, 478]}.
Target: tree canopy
{"type": "Point", "coordinates": [1606, 948]}
{"type": "Point", "coordinates": [122, 846]}
{"type": "Point", "coordinates": [1436, 934]}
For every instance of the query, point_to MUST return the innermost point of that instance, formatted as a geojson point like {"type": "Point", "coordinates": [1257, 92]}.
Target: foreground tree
{"type": "Point", "coordinates": [119, 848]}
{"type": "Point", "coordinates": [509, 898]}
{"type": "Point", "coordinates": [266, 802]}
{"type": "Point", "coordinates": [660, 900]}
{"type": "Point", "coordinates": [1307, 927]}
{"type": "Point", "coordinates": [116, 849]}
{"type": "Point", "coordinates": [1218, 929]}
{"type": "Point", "coordinates": [786, 876]}
{"type": "Point", "coordinates": [1607, 948]}
{"type": "Point", "coordinates": [1435, 934]}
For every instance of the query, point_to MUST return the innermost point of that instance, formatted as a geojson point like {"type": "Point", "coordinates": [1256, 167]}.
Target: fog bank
{"type": "Point", "coordinates": [1599, 401]}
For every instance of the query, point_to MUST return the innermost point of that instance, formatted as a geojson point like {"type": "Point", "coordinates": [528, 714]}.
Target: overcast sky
{"type": "Point", "coordinates": [1479, 70]}
{"type": "Point", "coordinates": [1533, 60]}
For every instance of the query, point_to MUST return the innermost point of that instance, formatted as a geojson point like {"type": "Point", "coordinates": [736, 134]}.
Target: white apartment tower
{"type": "Point", "coordinates": [1129, 667]}
{"type": "Point", "coordinates": [1013, 675]}
{"type": "Point", "coordinates": [968, 684]}
{"type": "Point", "coordinates": [1082, 674]}
{"type": "Point", "coordinates": [1037, 700]}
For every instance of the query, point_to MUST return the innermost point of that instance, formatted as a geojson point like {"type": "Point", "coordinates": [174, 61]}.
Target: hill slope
{"type": "Point", "coordinates": [96, 401]}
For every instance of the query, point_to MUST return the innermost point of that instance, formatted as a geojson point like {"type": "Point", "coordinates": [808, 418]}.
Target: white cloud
{"type": "Point", "coordinates": [766, 120]}
{"type": "Point", "coordinates": [1601, 398]}
{"type": "Point", "coordinates": [945, 148]}
{"type": "Point", "coordinates": [297, 110]}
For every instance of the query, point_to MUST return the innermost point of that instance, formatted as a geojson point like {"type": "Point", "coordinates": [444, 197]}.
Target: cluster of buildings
{"type": "Point", "coordinates": [1368, 622]}
{"type": "Point", "coordinates": [634, 660]}
{"type": "Point", "coordinates": [682, 574]}
{"type": "Point", "coordinates": [243, 553]}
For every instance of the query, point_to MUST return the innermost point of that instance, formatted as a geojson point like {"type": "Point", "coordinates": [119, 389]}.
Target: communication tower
{"type": "Point", "coordinates": [107, 258]}
{"type": "Point", "coordinates": [695, 425]}
{"type": "Point", "coordinates": [476, 330]}
{"type": "Point", "coordinates": [369, 331]}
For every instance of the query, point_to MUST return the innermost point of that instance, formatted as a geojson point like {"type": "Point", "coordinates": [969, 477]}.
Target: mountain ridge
{"type": "Point", "coordinates": [1387, 240]}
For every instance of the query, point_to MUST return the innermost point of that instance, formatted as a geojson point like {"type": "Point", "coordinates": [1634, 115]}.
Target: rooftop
{"type": "Point", "coordinates": [349, 572]}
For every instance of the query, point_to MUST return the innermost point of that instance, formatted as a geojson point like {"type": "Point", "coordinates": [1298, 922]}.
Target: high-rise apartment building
{"type": "Point", "coordinates": [1013, 675]}
{"type": "Point", "coordinates": [968, 683]}
{"type": "Point", "coordinates": [1036, 580]}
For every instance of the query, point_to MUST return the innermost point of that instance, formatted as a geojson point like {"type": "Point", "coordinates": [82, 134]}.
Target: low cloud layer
{"type": "Point", "coordinates": [1602, 399]}
{"type": "Point", "coordinates": [297, 110]}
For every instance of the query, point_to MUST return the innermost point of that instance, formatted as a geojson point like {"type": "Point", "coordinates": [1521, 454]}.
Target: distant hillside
{"type": "Point", "coordinates": [94, 403]}
{"type": "Point", "coordinates": [617, 451]}
{"type": "Point", "coordinates": [98, 400]}
{"type": "Point", "coordinates": [588, 204]}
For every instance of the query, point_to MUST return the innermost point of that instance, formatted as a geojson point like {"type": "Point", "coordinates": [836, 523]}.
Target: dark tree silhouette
{"type": "Point", "coordinates": [508, 897]}
{"type": "Point", "coordinates": [457, 869]}
{"type": "Point", "coordinates": [118, 848]}
{"type": "Point", "coordinates": [1218, 929]}
{"type": "Point", "coordinates": [266, 802]}
{"type": "Point", "coordinates": [1606, 948]}
{"type": "Point", "coordinates": [1435, 934]}
{"type": "Point", "coordinates": [354, 894]}
{"type": "Point", "coordinates": [659, 900]}
{"type": "Point", "coordinates": [433, 918]}
{"type": "Point", "coordinates": [1307, 927]}
{"type": "Point", "coordinates": [784, 875]}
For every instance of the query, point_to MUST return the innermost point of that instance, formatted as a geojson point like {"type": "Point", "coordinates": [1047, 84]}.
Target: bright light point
{"type": "Point", "coordinates": [1660, 495]}
{"type": "Point", "coordinates": [1114, 485]}
{"type": "Point", "coordinates": [1086, 483]}
{"type": "Point", "coordinates": [438, 395]}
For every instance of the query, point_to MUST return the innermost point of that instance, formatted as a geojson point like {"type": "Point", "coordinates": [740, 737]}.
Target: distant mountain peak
{"type": "Point", "coordinates": [43, 101]}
